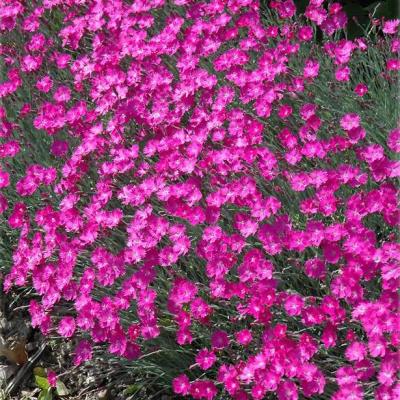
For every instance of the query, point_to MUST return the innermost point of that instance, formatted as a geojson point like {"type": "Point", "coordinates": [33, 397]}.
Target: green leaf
{"type": "Point", "coordinates": [132, 389]}
{"type": "Point", "coordinates": [39, 371]}
{"type": "Point", "coordinates": [61, 389]}
{"type": "Point", "coordinates": [45, 395]}
{"type": "Point", "coordinates": [42, 382]}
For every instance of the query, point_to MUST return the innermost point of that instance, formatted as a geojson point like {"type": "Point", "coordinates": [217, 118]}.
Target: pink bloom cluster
{"type": "Point", "coordinates": [171, 151]}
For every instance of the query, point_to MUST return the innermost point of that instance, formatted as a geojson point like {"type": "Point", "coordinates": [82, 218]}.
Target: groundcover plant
{"type": "Point", "coordinates": [203, 193]}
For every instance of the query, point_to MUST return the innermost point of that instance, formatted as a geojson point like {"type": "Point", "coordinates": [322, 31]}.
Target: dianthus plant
{"type": "Point", "coordinates": [210, 182]}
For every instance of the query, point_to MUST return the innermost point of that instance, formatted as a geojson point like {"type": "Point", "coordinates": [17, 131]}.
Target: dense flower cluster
{"type": "Point", "coordinates": [164, 109]}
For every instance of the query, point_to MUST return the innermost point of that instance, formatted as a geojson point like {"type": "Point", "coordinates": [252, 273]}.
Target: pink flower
{"type": "Point", "coordinates": [203, 390]}
{"type": "Point", "coordinates": [199, 308]}
{"type": "Point", "coordinates": [390, 27]}
{"type": "Point", "coordinates": [206, 359]}
{"type": "Point", "coordinates": [272, 31]}
{"type": "Point", "coordinates": [59, 148]}
{"type": "Point", "coordinates": [356, 351]}
{"type": "Point", "coordinates": [307, 111]}
{"type": "Point", "coordinates": [350, 121]}
{"type": "Point", "coordinates": [4, 179]}
{"type": "Point", "coordinates": [181, 385]}
{"type": "Point", "coordinates": [25, 109]}
{"type": "Point", "coordinates": [311, 69]}
{"type": "Point", "coordinates": [62, 94]}
{"type": "Point", "coordinates": [219, 340]}
{"type": "Point", "coordinates": [329, 336]}
{"type": "Point", "coordinates": [315, 268]}
{"type": "Point", "coordinates": [377, 347]}
{"type": "Point", "coordinates": [44, 84]}
{"type": "Point", "coordinates": [118, 341]}
{"type": "Point", "coordinates": [352, 391]}
{"type": "Point", "coordinates": [184, 336]}
{"type": "Point", "coordinates": [83, 352]}
{"type": "Point", "coordinates": [393, 140]}
{"type": "Point", "coordinates": [293, 304]}
{"type": "Point", "coordinates": [305, 33]}
{"type": "Point", "coordinates": [387, 374]}
{"type": "Point", "coordinates": [132, 351]}
{"type": "Point", "coordinates": [316, 13]}
{"type": "Point", "coordinates": [346, 375]}
{"type": "Point", "coordinates": [62, 60]}
{"type": "Point", "coordinates": [244, 337]}
{"type": "Point", "coordinates": [342, 51]}
{"type": "Point", "coordinates": [3, 203]}
{"type": "Point", "coordinates": [393, 64]}
{"type": "Point", "coordinates": [356, 134]}
{"type": "Point", "coordinates": [285, 111]}
{"type": "Point", "coordinates": [395, 46]}
{"type": "Point", "coordinates": [332, 252]}
{"type": "Point", "coordinates": [365, 370]}
{"type": "Point", "coordinates": [287, 390]}
{"type": "Point", "coordinates": [258, 391]}
{"type": "Point", "coordinates": [183, 291]}
{"type": "Point", "coordinates": [31, 63]}
{"type": "Point", "coordinates": [52, 378]}
{"type": "Point", "coordinates": [342, 74]}
{"type": "Point", "coordinates": [66, 327]}
{"type": "Point", "coordinates": [17, 218]}
{"type": "Point", "coordinates": [286, 9]}
{"type": "Point", "coordinates": [334, 8]}
{"type": "Point", "coordinates": [361, 89]}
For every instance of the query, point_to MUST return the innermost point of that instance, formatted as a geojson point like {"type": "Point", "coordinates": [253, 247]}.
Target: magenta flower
{"type": "Point", "coordinates": [287, 390]}
{"type": "Point", "coordinates": [45, 84]}
{"type": "Point", "coordinates": [329, 336]}
{"type": "Point", "coordinates": [203, 389]}
{"type": "Point", "coordinates": [52, 378]}
{"type": "Point", "coordinates": [219, 340]}
{"type": "Point", "coordinates": [205, 359]}
{"type": "Point", "coordinates": [181, 385]}
{"type": "Point", "coordinates": [356, 351]}
{"type": "Point", "coordinates": [285, 111]}
{"type": "Point", "coordinates": [390, 26]}
{"type": "Point", "coordinates": [342, 74]}
{"type": "Point", "coordinates": [350, 121]}
{"type": "Point", "coordinates": [293, 305]}
{"type": "Point", "coordinates": [361, 89]}
{"type": "Point", "coordinates": [59, 148]}
{"type": "Point", "coordinates": [3, 204]}
{"type": "Point", "coordinates": [83, 352]}
{"type": "Point", "coordinates": [67, 327]}
{"type": "Point", "coordinates": [4, 179]}
{"type": "Point", "coordinates": [394, 140]}
{"type": "Point", "coordinates": [311, 69]}
{"type": "Point", "coordinates": [393, 64]}
{"type": "Point", "coordinates": [305, 33]}
{"type": "Point", "coordinates": [244, 337]}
